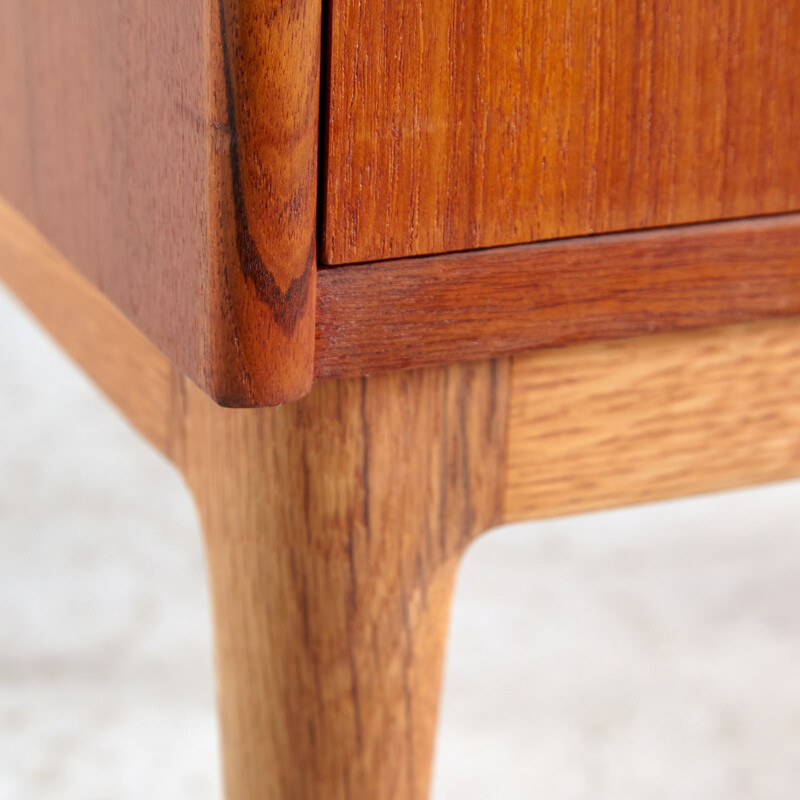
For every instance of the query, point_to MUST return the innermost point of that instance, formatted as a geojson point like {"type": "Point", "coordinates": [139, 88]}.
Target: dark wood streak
{"type": "Point", "coordinates": [265, 87]}
{"type": "Point", "coordinates": [288, 306]}
{"type": "Point", "coordinates": [365, 463]}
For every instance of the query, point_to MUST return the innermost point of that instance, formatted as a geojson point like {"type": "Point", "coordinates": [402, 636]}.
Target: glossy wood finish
{"type": "Point", "coordinates": [169, 150]}
{"type": "Point", "coordinates": [334, 525]}
{"type": "Point", "coordinates": [612, 424]}
{"type": "Point", "coordinates": [400, 314]}
{"type": "Point", "coordinates": [455, 125]}
{"type": "Point", "coordinates": [263, 195]}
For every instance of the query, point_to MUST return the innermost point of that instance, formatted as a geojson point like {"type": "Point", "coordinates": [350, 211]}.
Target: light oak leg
{"type": "Point", "coordinates": [333, 529]}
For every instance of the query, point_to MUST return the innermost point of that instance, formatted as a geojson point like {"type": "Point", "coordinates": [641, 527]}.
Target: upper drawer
{"type": "Point", "coordinates": [455, 125]}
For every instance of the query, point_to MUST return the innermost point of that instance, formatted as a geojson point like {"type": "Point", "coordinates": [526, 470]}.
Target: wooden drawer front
{"type": "Point", "coordinates": [454, 125]}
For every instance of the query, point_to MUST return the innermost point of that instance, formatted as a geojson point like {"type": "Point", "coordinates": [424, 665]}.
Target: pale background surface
{"type": "Point", "coordinates": [648, 653]}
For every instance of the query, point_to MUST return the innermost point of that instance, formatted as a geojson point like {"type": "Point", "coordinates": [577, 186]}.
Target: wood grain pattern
{"type": "Point", "coordinates": [333, 530]}
{"type": "Point", "coordinates": [613, 424]}
{"type": "Point", "coordinates": [263, 196]}
{"type": "Point", "coordinates": [176, 167]}
{"type": "Point", "coordinates": [455, 125]}
{"type": "Point", "coordinates": [399, 314]}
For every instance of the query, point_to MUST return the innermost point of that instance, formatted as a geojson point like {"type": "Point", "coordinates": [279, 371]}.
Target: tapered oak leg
{"type": "Point", "coordinates": [333, 528]}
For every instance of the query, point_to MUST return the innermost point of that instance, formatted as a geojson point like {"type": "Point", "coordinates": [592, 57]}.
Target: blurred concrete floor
{"type": "Point", "coordinates": [647, 653]}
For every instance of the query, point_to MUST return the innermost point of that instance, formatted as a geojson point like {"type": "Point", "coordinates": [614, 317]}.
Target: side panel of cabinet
{"type": "Point", "coordinates": [169, 150]}
{"type": "Point", "coordinates": [102, 147]}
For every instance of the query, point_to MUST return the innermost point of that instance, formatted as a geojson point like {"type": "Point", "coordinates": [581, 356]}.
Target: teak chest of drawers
{"type": "Point", "coordinates": [389, 219]}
